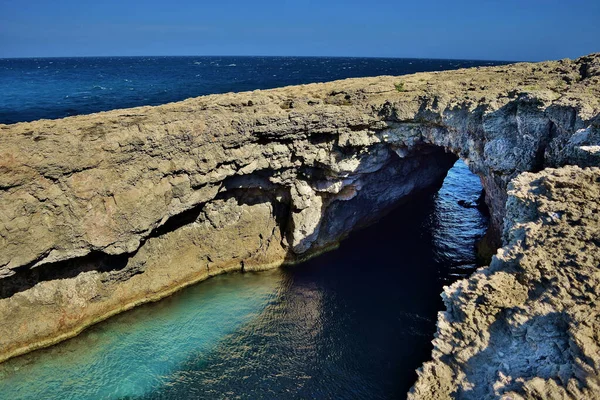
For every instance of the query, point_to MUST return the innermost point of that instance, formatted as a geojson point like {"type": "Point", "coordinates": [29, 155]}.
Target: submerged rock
{"type": "Point", "coordinates": [467, 204]}
{"type": "Point", "coordinates": [103, 212]}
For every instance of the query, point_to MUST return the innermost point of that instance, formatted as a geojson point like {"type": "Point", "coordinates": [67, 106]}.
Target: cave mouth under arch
{"type": "Point", "coordinates": [403, 177]}
{"type": "Point", "coordinates": [458, 216]}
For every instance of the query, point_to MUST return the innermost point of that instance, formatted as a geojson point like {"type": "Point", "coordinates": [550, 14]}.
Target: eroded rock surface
{"type": "Point", "coordinates": [102, 212]}
{"type": "Point", "coordinates": [528, 325]}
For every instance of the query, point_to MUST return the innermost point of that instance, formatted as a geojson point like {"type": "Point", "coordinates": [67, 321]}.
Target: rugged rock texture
{"type": "Point", "coordinates": [102, 212]}
{"type": "Point", "coordinates": [528, 325]}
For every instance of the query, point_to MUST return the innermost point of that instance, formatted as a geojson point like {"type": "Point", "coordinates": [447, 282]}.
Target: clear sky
{"type": "Point", "coordinates": [469, 29]}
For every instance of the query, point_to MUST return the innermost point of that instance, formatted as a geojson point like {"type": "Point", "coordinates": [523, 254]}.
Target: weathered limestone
{"type": "Point", "coordinates": [102, 212]}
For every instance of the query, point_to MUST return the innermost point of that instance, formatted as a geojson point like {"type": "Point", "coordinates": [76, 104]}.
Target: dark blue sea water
{"type": "Point", "coordinates": [33, 88]}
{"type": "Point", "coordinates": [354, 323]}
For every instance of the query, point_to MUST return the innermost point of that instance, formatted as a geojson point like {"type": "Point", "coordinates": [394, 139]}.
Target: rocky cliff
{"type": "Point", "coordinates": [102, 212]}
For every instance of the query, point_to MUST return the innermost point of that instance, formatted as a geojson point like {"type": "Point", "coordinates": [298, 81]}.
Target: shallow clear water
{"type": "Point", "coordinates": [353, 323]}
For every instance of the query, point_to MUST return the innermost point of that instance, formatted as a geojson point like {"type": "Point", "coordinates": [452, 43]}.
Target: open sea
{"type": "Point", "coordinates": [35, 88]}
{"type": "Point", "coordinates": [354, 323]}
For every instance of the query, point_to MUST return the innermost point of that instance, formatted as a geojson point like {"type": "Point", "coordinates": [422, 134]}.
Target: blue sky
{"type": "Point", "coordinates": [484, 29]}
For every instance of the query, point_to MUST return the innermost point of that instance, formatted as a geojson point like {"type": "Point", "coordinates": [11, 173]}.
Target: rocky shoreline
{"type": "Point", "coordinates": [103, 212]}
{"type": "Point", "coordinates": [528, 325]}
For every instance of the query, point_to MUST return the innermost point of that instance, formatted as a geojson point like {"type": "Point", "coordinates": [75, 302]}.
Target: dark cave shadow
{"type": "Point", "coordinates": [27, 276]}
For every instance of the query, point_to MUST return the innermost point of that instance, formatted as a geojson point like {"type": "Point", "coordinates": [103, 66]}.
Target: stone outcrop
{"type": "Point", "coordinates": [102, 212]}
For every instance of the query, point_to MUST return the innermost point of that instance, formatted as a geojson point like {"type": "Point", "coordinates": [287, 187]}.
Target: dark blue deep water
{"type": "Point", "coordinates": [354, 323]}
{"type": "Point", "coordinates": [35, 88]}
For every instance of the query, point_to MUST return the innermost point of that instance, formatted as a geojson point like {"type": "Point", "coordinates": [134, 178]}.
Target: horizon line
{"type": "Point", "coordinates": [271, 56]}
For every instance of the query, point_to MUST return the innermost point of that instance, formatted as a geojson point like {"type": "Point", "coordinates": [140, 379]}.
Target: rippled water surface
{"type": "Point", "coordinates": [353, 323]}
{"type": "Point", "coordinates": [33, 88]}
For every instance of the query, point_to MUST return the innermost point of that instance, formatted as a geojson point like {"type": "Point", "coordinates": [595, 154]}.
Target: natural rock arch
{"type": "Point", "coordinates": [253, 180]}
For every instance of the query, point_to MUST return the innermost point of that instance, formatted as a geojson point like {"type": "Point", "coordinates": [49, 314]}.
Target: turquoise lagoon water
{"type": "Point", "coordinates": [142, 349]}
